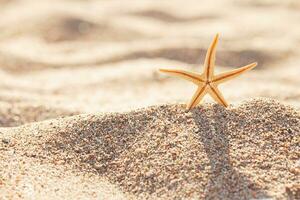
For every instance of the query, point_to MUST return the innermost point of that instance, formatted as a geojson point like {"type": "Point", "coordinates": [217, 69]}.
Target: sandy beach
{"type": "Point", "coordinates": [85, 113]}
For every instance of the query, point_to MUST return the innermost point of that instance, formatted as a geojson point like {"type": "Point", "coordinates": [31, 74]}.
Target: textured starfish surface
{"type": "Point", "coordinates": [207, 82]}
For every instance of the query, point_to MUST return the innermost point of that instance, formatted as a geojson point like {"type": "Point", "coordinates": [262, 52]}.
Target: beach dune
{"type": "Point", "coordinates": [247, 151]}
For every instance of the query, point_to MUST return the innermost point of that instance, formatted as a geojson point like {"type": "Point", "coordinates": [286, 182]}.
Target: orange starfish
{"type": "Point", "coordinates": [208, 82]}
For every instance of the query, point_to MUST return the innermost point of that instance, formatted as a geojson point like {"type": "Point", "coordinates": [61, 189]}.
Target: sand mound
{"type": "Point", "coordinates": [249, 151]}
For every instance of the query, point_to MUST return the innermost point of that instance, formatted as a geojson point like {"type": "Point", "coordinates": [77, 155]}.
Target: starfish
{"type": "Point", "coordinates": [207, 82]}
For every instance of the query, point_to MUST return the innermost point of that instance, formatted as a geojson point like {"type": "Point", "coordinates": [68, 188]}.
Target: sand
{"type": "Point", "coordinates": [84, 113]}
{"type": "Point", "coordinates": [247, 151]}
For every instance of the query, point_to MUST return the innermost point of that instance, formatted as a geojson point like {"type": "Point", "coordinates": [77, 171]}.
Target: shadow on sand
{"type": "Point", "coordinates": [224, 179]}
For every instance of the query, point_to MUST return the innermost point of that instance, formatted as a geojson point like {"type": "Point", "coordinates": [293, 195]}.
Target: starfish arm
{"type": "Point", "coordinates": [232, 74]}
{"type": "Point", "coordinates": [216, 94]}
{"type": "Point", "coordinates": [190, 76]}
{"type": "Point", "coordinates": [198, 96]}
{"type": "Point", "coordinates": [210, 58]}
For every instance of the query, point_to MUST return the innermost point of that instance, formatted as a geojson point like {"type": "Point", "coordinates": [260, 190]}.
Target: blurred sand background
{"type": "Point", "coordinates": [93, 56]}
{"type": "Point", "coordinates": [66, 57]}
